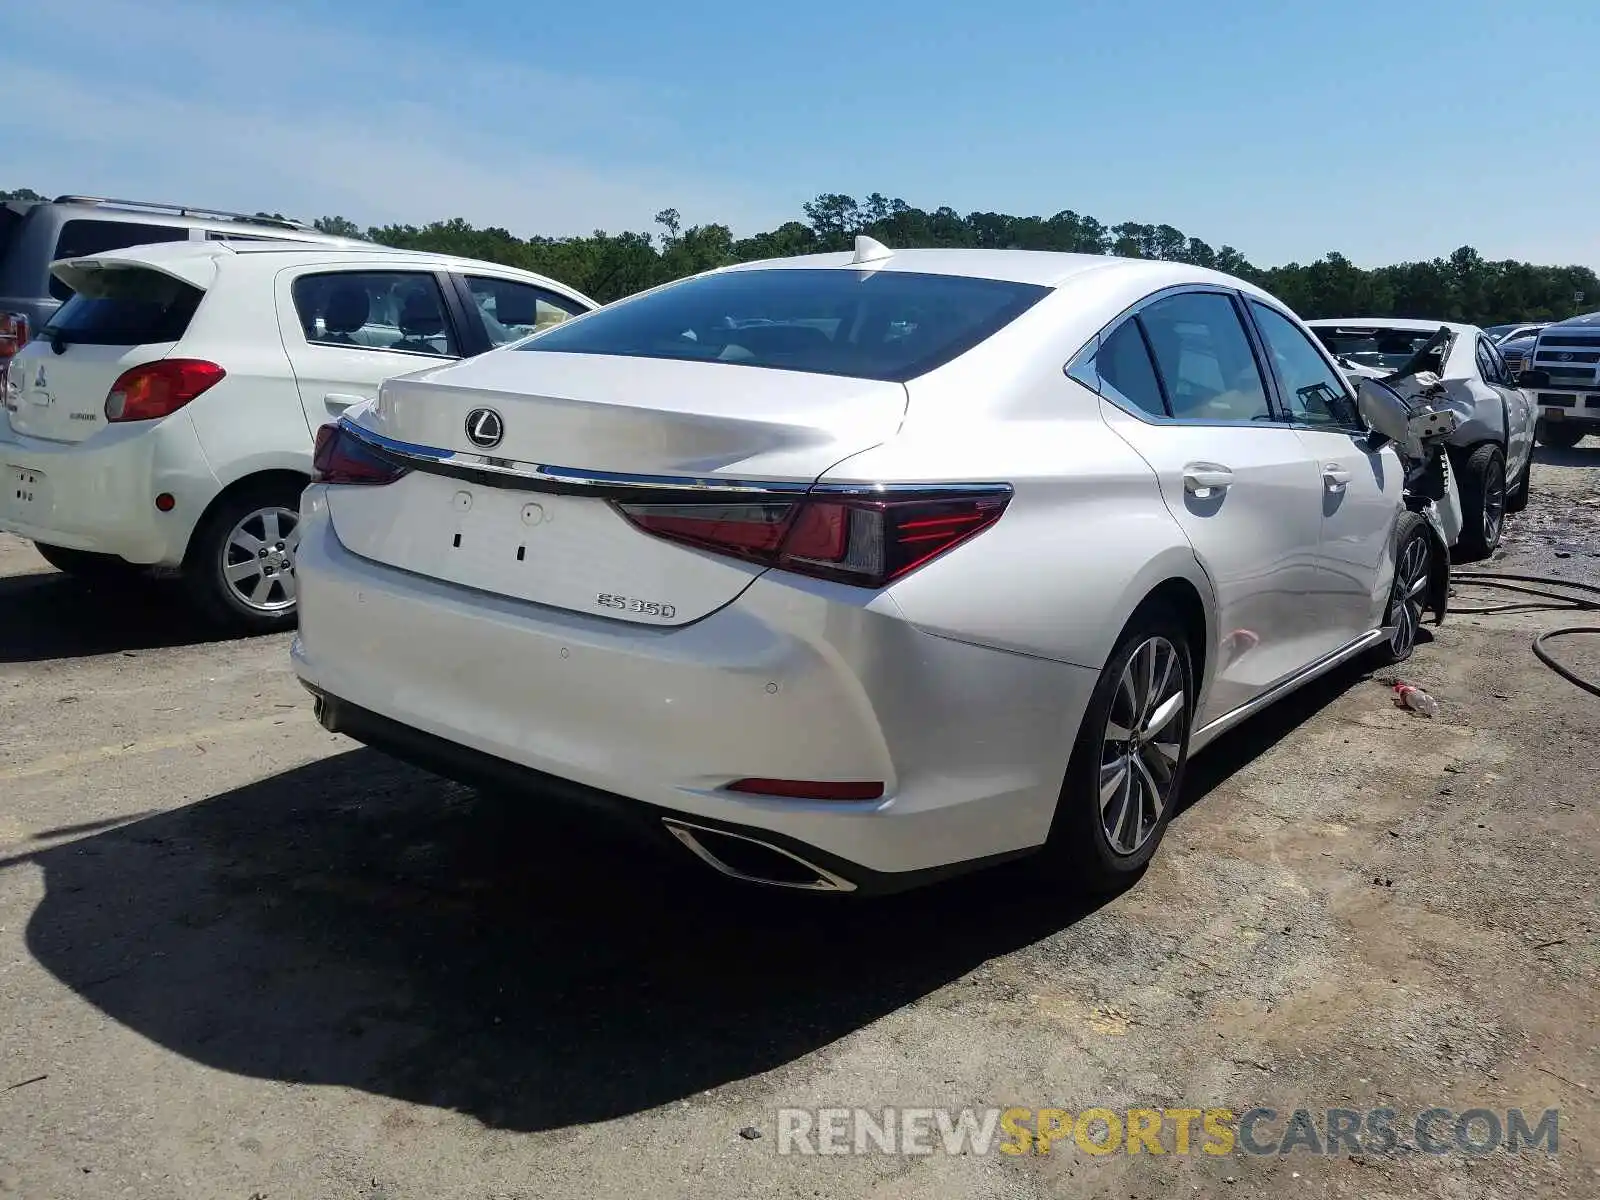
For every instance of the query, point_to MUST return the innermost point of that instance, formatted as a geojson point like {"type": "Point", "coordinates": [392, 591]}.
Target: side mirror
{"type": "Point", "coordinates": [1383, 410]}
{"type": "Point", "coordinates": [1533, 378]}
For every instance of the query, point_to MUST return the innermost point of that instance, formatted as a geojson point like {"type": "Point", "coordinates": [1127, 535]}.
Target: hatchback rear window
{"type": "Point", "coordinates": [126, 307]}
{"type": "Point", "coordinates": [889, 325]}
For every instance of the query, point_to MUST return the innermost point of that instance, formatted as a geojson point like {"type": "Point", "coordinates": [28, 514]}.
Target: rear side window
{"type": "Point", "coordinates": [375, 310]}
{"type": "Point", "coordinates": [1123, 362]}
{"type": "Point", "coordinates": [1205, 359]}
{"type": "Point", "coordinates": [888, 325]}
{"type": "Point", "coordinates": [512, 310]}
{"type": "Point", "coordinates": [81, 237]}
{"type": "Point", "coordinates": [126, 307]}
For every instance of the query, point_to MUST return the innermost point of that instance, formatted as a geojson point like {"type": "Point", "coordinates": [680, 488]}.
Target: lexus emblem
{"type": "Point", "coordinates": [485, 428]}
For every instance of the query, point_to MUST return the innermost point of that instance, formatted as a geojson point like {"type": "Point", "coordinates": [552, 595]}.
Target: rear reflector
{"type": "Point", "coordinates": [160, 388]}
{"type": "Point", "coordinates": [866, 541]}
{"type": "Point", "coordinates": [341, 457]}
{"type": "Point", "coordinates": [804, 789]}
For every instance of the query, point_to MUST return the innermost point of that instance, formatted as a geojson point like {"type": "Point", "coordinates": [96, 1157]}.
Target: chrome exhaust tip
{"type": "Point", "coordinates": [752, 860]}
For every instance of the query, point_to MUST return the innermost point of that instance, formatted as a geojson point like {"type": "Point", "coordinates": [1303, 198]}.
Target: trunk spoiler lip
{"type": "Point", "coordinates": [491, 471]}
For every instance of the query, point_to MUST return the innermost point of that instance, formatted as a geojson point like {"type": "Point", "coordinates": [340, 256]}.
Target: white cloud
{"type": "Point", "coordinates": [259, 111]}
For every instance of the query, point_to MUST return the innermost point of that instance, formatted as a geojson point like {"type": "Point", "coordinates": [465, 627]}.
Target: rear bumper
{"type": "Point", "coordinates": [99, 494]}
{"type": "Point", "coordinates": [794, 680]}
{"type": "Point", "coordinates": [1572, 406]}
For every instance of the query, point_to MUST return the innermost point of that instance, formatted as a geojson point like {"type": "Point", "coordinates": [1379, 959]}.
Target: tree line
{"type": "Point", "coordinates": [1463, 287]}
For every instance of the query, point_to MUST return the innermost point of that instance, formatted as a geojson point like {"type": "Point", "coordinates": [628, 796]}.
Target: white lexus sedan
{"type": "Point", "coordinates": [856, 570]}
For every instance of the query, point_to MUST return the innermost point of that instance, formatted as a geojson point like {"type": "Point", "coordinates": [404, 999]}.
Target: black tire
{"type": "Point", "coordinates": [1521, 492]}
{"type": "Point", "coordinates": [1481, 482]}
{"type": "Point", "coordinates": [1413, 558]}
{"type": "Point", "coordinates": [209, 553]}
{"type": "Point", "coordinates": [1081, 850]}
{"type": "Point", "coordinates": [1559, 434]}
{"type": "Point", "coordinates": [89, 566]}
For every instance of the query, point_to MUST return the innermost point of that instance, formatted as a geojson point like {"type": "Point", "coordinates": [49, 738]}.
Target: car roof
{"type": "Point", "coordinates": [1048, 268]}
{"type": "Point", "coordinates": [179, 258]}
{"type": "Point", "coordinates": [1400, 324]}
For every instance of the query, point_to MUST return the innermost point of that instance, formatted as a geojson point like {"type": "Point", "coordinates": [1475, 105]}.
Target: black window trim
{"type": "Point", "coordinates": [1281, 389]}
{"type": "Point", "coordinates": [450, 304]}
{"type": "Point", "coordinates": [1081, 367]}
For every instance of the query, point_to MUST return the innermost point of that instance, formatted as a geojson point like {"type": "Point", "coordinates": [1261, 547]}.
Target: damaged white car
{"type": "Point", "coordinates": [1443, 365]}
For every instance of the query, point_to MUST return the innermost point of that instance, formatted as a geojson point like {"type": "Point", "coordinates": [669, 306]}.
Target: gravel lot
{"type": "Point", "coordinates": [241, 957]}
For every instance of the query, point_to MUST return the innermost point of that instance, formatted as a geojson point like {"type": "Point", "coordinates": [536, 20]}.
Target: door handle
{"type": "Point", "coordinates": [336, 403]}
{"type": "Point", "coordinates": [1335, 477]}
{"type": "Point", "coordinates": [1201, 479]}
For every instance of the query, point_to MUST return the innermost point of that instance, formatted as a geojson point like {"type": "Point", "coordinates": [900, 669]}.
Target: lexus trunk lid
{"type": "Point", "coordinates": [563, 436]}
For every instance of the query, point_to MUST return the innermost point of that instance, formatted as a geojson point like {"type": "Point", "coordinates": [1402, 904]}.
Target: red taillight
{"type": "Point", "coordinates": [341, 457]}
{"type": "Point", "coordinates": [867, 540]}
{"type": "Point", "coordinates": [13, 334]}
{"type": "Point", "coordinates": [158, 389]}
{"type": "Point", "coordinates": [807, 789]}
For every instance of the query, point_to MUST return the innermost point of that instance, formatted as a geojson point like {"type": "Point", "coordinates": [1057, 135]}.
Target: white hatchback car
{"type": "Point", "coordinates": [164, 416]}
{"type": "Point", "coordinates": [854, 570]}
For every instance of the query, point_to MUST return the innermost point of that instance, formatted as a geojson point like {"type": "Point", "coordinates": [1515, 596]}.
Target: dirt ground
{"type": "Point", "coordinates": [244, 958]}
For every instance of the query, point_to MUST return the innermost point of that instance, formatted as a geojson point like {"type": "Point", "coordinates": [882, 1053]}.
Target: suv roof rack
{"type": "Point", "coordinates": [184, 210]}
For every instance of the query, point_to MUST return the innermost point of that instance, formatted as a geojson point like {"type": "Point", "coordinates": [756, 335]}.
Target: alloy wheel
{"type": "Point", "coordinates": [1142, 745]}
{"type": "Point", "coordinates": [258, 559]}
{"type": "Point", "coordinates": [1494, 502]}
{"type": "Point", "coordinates": [1410, 585]}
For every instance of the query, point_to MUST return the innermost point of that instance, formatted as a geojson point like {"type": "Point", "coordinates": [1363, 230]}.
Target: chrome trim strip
{"type": "Point", "coordinates": [685, 832]}
{"type": "Point", "coordinates": [513, 473]}
{"type": "Point", "coordinates": [1207, 732]}
{"type": "Point", "coordinates": [510, 473]}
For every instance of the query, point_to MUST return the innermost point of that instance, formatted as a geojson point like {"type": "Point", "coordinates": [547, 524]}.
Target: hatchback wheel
{"type": "Point", "coordinates": [240, 567]}
{"type": "Point", "coordinates": [1482, 485]}
{"type": "Point", "coordinates": [1127, 765]}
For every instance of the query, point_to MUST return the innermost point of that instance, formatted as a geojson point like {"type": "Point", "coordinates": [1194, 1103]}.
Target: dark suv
{"type": "Point", "coordinates": [35, 233]}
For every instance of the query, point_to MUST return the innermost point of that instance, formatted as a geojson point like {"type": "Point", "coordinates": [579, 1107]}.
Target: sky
{"type": "Point", "coordinates": [1385, 130]}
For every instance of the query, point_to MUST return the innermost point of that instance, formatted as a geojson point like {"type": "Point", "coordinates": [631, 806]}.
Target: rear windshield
{"type": "Point", "coordinates": [125, 307]}
{"type": "Point", "coordinates": [1385, 349]}
{"type": "Point", "coordinates": [889, 325]}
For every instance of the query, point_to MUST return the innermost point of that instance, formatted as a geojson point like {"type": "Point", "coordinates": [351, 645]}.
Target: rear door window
{"type": "Point", "coordinates": [126, 307]}
{"type": "Point", "coordinates": [1205, 359]}
{"type": "Point", "coordinates": [882, 324]}
{"type": "Point", "coordinates": [375, 310]}
{"type": "Point", "coordinates": [80, 237]}
{"type": "Point", "coordinates": [512, 310]}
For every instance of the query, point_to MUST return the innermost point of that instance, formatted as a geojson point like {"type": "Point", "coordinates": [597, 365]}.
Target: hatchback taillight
{"type": "Point", "coordinates": [341, 457]}
{"type": "Point", "coordinates": [160, 388]}
{"type": "Point", "coordinates": [867, 540]}
{"type": "Point", "coordinates": [13, 334]}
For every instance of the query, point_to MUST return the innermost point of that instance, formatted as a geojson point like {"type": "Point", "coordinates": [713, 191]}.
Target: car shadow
{"type": "Point", "coordinates": [52, 615]}
{"type": "Point", "coordinates": [1585, 454]}
{"type": "Point", "coordinates": [1237, 748]}
{"type": "Point", "coordinates": [360, 923]}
